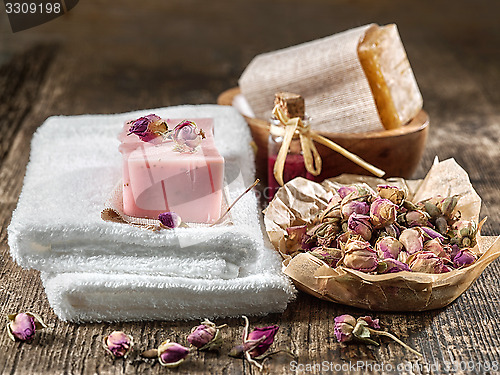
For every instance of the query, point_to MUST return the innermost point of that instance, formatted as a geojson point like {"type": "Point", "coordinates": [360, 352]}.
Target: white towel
{"type": "Point", "coordinates": [57, 229]}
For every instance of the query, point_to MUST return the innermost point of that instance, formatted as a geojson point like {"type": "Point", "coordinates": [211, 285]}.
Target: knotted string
{"type": "Point", "coordinates": [312, 159]}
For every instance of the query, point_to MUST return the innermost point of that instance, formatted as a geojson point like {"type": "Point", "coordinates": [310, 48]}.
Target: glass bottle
{"type": "Point", "coordinates": [294, 162]}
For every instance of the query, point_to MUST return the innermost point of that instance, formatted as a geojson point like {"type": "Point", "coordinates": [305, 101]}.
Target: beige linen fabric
{"type": "Point", "coordinates": [326, 72]}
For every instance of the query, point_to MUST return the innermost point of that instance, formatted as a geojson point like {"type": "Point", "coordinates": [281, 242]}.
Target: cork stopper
{"type": "Point", "coordinates": [291, 104]}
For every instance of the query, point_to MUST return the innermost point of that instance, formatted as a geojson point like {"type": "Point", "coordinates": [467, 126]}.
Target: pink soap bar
{"type": "Point", "coordinates": [157, 179]}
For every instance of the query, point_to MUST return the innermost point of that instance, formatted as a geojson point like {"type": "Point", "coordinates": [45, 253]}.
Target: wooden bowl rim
{"type": "Point", "coordinates": [417, 124]}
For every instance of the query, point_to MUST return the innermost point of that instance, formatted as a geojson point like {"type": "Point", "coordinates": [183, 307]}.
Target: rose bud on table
{"type": "Point", "coordinates": [171, 354]}
{"type": "Point", "coordinates": [118, 344]}
{"type": "Point", "coordinates": [23, 326]}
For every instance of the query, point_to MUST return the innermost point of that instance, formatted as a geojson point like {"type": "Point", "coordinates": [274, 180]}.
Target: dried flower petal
{"type": "Point", "coordinates": [256, 336]}
{"type": "Point", "coordinates": [437, 248]}
{"type": "Point", "coordinates": [118, 343]}
{"type": "Point", "coordinates": [148, 127]}
{"type": "Point", "coordinates": [330, 256]}
{"type": "Point", "coordinates": [171, 354]}
{"type": "Point", "coordinates": [393, 266]}
{"type": "Point", "coordinates": [464, 258]}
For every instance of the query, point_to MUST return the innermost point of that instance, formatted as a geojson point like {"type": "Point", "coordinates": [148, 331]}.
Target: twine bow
{"type": "Point", "coordinates": [312, 159]}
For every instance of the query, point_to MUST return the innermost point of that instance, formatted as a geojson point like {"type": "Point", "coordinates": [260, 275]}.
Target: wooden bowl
{"type": "Point", "coordinates": [396, 151]}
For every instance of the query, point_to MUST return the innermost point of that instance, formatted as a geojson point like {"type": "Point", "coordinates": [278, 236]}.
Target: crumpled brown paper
{"type": "Point", "coordinates": [298, 201]}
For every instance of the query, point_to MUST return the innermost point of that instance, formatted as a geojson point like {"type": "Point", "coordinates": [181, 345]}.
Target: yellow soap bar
{"type": "Point", "coordinates": [390, 76]}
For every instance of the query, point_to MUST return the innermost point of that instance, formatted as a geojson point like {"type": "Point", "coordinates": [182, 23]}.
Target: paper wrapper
{"type": "Point", "coordinates": [298, 202]}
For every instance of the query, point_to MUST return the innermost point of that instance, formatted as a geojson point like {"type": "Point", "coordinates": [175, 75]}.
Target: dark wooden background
{"type": "Point", "coordinates": [106, 57]}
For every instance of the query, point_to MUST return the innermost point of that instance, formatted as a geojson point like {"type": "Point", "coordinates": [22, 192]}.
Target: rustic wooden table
{"type": "Point", "coordinates": [107, 57]}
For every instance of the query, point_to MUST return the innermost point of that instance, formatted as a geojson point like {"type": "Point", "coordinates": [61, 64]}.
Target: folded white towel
{"type": "Point", "coordinates": [57, 228]}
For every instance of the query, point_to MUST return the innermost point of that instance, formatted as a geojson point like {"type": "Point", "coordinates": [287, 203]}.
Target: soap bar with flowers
{"type": "Point", "coordinates": [171, 165]}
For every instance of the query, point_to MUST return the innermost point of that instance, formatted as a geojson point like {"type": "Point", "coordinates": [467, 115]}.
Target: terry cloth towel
{"type": "Point", "coordinates": [57, 229]}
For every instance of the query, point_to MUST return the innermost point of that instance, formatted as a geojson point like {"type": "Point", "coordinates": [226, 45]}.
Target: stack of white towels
{"type": "Point", "coordinates": [96, 270]}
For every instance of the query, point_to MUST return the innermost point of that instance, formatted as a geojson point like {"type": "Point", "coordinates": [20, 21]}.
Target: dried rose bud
{"type": "Point", "coordinates": [354, 207]}
{"type": "Point", "coordinates": [360, 225]}
{"type": "Point", "coordinates": [392, 193]}
{"type": "Point", "coordinates": [348, 328]}
{"type": "Point", "coordinates": [261, 338]}
{"type": "Point", "coordinates": [330, 256]}
{"type": "Point", "coordinates": [187, 135]}
{"type": "Point", "coordinates": [170, 220]}
{"type": "Point", "coordinates": [382, 212]}
{"type": "Point", "coordinates": [206, 336]}
{"type": "Point", "coordinates": [332, 211]}
{"type": "Point", "coordinates": [355, 191]}
{"type": "Point", "coordinates": [393, 265]}
{"type": "Point", "coordinates": [425, 261]}
{"type": "Point", "coordinates": [451, 250]}
{"type": "Point", "coordinates": [448, 205]}
{"type": "Point", "coordinates": [435, 246]}
{"type": "Point", "coordinates": [344, 325]}
{"type": "Point", "coordinates": [463, 233]}
{"type": "Point", "coordinates": [23, 326]}
{"type": "Point", "coordinates": [431, 209]}
{"type": "Point", "coordinates": [464, 258]}
{"type": "Point", "coordinates": [412, 240]}
{"type": "Point", "coordinates": [388, 247]}
{"type": "Point", "coordinates": [391, 230]}
{"type": "Point", "coordinates": [360, 256]}
{"type": "Point", "coordinates": [171, 354]}
{"type": "Point", "coordinates": [118, 343]}
{"type": "Point", "coordinates": [431, 233]}
{"type": "Point", "coordinates": [147, 127]}
{"type": "Point", "coordinates": [441, 224]}
{"type": "Point", "coordinates": [415, 218]}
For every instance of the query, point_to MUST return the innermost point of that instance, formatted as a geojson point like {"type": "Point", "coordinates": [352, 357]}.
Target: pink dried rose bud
{"type": "Point", "coordinates": [360, 256]}
{"type": "Point", "coordinates": [344, 325]}
{"type": "Point", "coordinates": [392, 193]}
{"type": "Point", "coordinates": [391, 230]}
{"type": "Point", "coordinates": [427, 262]}
{"type": "Point", "coordinates": [388, 247]}
{"type": "Point", "coordinates": [355, 191]}
{"type": "Point", "coordinates": [347, 328]}
{"type": "Point", "coordinates": [382, 213]}
{"type": "Point", "coordinates": [393, 266]}
{"type": "Point", "coordinates": [170, 220]}
{"type": "Point", "coordinates": [118, 343]}
{"type": "Point", "coordinates": [264, 336]}
{"type": "Point", "coordinates": [416, 218]}
{"type": "Point", "coordinates": [148, 127]}
{"type": "Point", "coordinates": [187, 136]}
{"type": "Point", "coordinates": [464, 258]}
{"type": "Point", "coordinates": [23, 326]}
{"type": "Point", "coordinates": [360, 225]}
{"type": "Point", "coordinates": [206, 336]}
{"type": "Point", "coordinates": [171, 354]}
{"type": "Point", "coordinates": [354, 207]}
{"type": "Point", "coordinates": [412, 240]}
{"type": "Point", "coordinates": [330, 256]}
